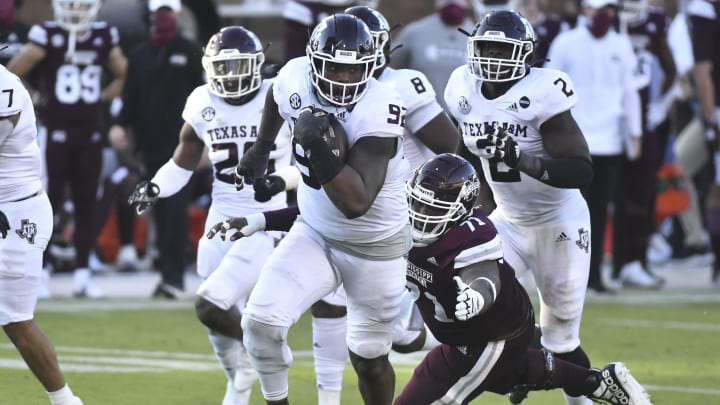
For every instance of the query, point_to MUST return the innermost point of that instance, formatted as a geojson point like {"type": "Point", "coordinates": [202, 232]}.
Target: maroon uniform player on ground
{"type": "Point", "coordinates": [71, 53]}
{"type": "Point", "coordinates": [470, 299]}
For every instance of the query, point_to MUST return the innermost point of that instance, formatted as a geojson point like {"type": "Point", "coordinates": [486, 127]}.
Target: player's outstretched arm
{"type": "Point", "coordinates": [276, 220]}
{"type": "Point", "coordinates": [440, 135]}
{"type": "Point", "coordinates": [173, 175]}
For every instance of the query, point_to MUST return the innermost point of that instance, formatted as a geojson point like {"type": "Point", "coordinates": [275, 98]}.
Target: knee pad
{"type": "Point", "coordinates": [266, 345]}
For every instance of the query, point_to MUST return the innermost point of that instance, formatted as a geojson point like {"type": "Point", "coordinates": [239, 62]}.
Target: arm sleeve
{"type": "Point", "coordinates": [282, 219]}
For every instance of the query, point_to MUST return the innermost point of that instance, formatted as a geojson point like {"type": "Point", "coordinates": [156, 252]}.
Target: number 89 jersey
{"type": "Point", "coordinates": [229, 131]}
{"type": "Point", "coordinates": [72, 83]}
{"type": "Point", "coordinates": [531, 101]}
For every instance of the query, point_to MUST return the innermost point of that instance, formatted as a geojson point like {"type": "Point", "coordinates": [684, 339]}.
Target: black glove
{"type": "Point", "coordinates": [253, 164]}
{"type": "Point", "coordinates": [144, 196]}
{"type": "Point", "coordinates": [267, 187]}
{"type": "Point", "coordinates": [506, 148]}
{"type": "Point", "coordinates": [311, 125]}
{"type": "Point", "coordinates": [4, 225]}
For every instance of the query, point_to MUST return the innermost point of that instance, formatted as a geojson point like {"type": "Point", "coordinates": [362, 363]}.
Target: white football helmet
{"type": "Point", "coordinates": [232, 61]}
{"type": "Point", "coordinates": [75, 15]}
{"type": "Point", "coordinates": [504, 28]}
{"type": "Point", "coordinates": [633, 10]}
{"type": "Point", "coordinates": [341, 40]}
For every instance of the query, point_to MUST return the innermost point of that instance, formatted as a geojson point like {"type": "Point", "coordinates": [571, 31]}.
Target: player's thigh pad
{"type": "Point", "coordinates": [21, 252]}
{"type": "Point", "coordinates": [210, 252]}
{"type": "Point", "coordinates": [238, 271]}
{"type": "Point", "coordinates": [374, 294]}
{"type": "Point", "coordinates": [297, 274]}
{"type": "Point", "coordinates": [337, 297]}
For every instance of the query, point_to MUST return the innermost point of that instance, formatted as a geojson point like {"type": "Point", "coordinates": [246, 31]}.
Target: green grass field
{"type": "Point", "coordinates": [137, 352]}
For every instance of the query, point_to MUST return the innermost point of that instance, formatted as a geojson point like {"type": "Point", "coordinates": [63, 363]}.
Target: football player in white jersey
{"type": "Point", "coordinates": [353, 229]}
{"type": "Point", "coordinates": [224, 116]}
{"type": "Point", "coordinates": [26, 223]}
{"type": "Point", "coordinates": [428, 131]}
{"type": "Point", "coordinates": [534, 157]}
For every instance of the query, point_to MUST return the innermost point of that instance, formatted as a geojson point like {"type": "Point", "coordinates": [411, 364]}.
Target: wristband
{"type": "Point", "coordinates": [323, 161]}
{"type": "Point", "coordinates": [256, 222]}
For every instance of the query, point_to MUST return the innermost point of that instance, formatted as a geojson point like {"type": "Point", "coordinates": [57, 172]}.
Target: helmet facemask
{"type": "Point", "coordinates": [491, 66]}
{"type": "Point", "coordinates": [75, 15]}
{"type": "Point", "coordinates": [337, 92]}
{"type": "Point", "coordinates": [233, 74]}
{"type": "Point", "coordinates": [433, 212]}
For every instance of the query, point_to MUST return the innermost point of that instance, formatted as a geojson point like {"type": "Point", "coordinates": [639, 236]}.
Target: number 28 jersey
{"type": "Point", "coordinates": [229, 131]}
{"type": "Point", "coordinates": [380, 112]}
{"type": "Point", "coordinates": [72, 83]}
{"type": "Point", "coordinates": [531, 101]}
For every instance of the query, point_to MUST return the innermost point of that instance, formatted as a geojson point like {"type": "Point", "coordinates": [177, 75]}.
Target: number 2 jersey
{"type": "Point", "coordinates": [72, 83]}
{"type": "Point", "coordinates": [229, 131]}
{"type": "Point", "coordinates": [531, 101]}
{"type": "Point", "coordinates": [430, 275]}
{"type": "Point", "coordinates": [379, 112]}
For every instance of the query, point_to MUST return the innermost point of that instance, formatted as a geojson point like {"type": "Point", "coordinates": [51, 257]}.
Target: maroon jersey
{"type": "Point", "coordinates": [72, 84]}
{"type": "Point", "coordinates": [430, 275]}
{"type": "Point", "coordinates": [704, 33]}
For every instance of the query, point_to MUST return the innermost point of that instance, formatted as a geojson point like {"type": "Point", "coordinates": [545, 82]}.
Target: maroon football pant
{"type": "Point", "coordinates": [74, 160]}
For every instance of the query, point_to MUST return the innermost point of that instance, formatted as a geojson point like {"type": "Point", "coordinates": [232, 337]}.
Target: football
{"type": "Point", "coordinates": [337, 138]}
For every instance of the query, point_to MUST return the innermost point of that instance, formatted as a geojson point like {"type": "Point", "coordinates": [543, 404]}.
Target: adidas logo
{"type": "Point", "coordinates": [513, 107]}
{"type": "Point", "coordinates": [432, 260]}
{"type": "Point", "coordinates": [562, 237]}
{"type": "Point", "coordinates": [545, 176]}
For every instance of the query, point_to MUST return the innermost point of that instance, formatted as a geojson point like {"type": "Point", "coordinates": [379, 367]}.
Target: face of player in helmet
{"type": "Point", "coordinates": [75, 15]}
{"type": "Point", "coordinates": [442, 192]}
{"type": "Point", "coordinates": [500, 47]}
{"type": "Point", "coordinates": [342, 55]}
{"type": "Point", "coordinates": [232, 61]}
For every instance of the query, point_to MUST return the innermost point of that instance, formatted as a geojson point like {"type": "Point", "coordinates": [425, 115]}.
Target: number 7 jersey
{"type": "Point", "coordinates": [531, 101]}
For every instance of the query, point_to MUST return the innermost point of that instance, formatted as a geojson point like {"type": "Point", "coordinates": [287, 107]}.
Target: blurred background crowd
{"type": "Point", "coordinates": [647, 202]}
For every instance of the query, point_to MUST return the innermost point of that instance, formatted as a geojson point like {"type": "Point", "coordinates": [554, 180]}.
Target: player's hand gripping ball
{"type": "Point", "coordinates": [313, 124]}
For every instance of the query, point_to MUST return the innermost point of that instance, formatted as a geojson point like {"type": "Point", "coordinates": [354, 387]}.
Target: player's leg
{"type": "Point", "coordinates": [85, 169]}
{"type": "Point", "coordinates": [458, 375]}
{"type": "Point", "coordinates": [410, 333]}
{"type": "Point", "coordinates": [374, 291]}
{"type": "Point", "coordinates": [297, 275]}
{"type": "Point", "coordinates": [20, 281]}
{"type": "Point", "coordinates": [562, 273]}
{"type": "Point", "coordinates": [330, 352]}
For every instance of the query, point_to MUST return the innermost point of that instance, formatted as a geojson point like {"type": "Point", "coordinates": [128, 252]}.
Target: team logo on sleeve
{"type": "Point", "coordinates": [208, 113]}
{"type": "Point", "coordinates": [295, 101]}
{"type": "Point", "coordinates": [27, 230]}
{"type": "Point", "coordinates": [583, 241]}
{"type": "Point", "coordinates": [464, 106]}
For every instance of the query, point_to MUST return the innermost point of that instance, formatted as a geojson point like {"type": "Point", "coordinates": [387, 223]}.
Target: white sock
{"type": "Point", "coordinates": [330, 353]}
{"type": "Point", "coordinates": [582, 400]}
{"type": "Point", "coordinates": [227, 351]}
{"type": "Point", "coordinates": [328, 397]}
{"type": "Point", "coordinates": [430, 341]}
{"type": "Point", "coordinates": [64, 396]}
{"type": "Point", "coordinates": [81, 276]}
